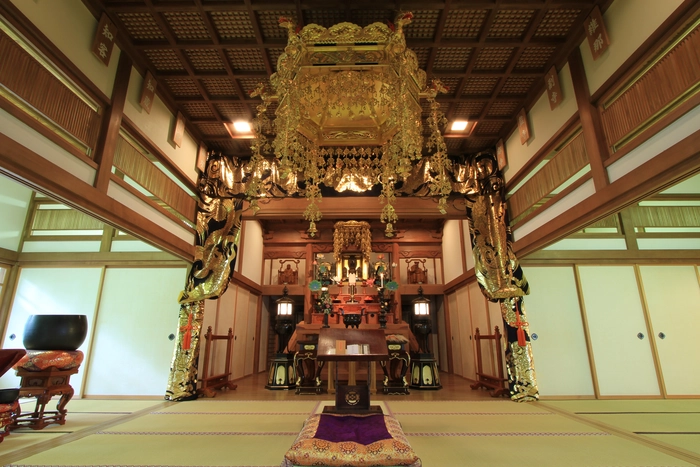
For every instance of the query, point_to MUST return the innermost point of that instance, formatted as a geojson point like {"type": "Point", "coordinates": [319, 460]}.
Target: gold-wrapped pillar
{"type": "Point", "coordinates": [522, 381]}
{"type": "Point", "coordinates": [498, 271]}
{"type": "Point", "coordinates": [218, 236]}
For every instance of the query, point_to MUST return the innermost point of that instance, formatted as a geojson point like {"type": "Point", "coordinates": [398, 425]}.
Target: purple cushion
{"type": "Point", "coordinates": [360, 429]}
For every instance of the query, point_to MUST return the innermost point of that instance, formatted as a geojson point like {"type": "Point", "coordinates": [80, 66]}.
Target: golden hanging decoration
{"type": "Point", "coordinates": [352, 233]}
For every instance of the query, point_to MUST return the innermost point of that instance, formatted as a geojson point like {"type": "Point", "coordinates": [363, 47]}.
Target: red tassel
{"type": "Point", "coordinates": [522, 342]}
{"type": "Point", "coordinates": [187, 337]}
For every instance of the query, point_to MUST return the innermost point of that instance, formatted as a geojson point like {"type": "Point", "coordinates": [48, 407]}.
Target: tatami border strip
{"type": "Point", "coordinates": [472, 413]}
{"type": "Point", "coordinates": [229, 413]}
{"type": "Point", "coordinates": [510, 433]}
{"type": "Point", "coordinates": [200, 433]}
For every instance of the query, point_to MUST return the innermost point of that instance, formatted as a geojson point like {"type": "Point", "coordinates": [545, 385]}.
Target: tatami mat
{"type": "Point", "coordinates": [481, 433]}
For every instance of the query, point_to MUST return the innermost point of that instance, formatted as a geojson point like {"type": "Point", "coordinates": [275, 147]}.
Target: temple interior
{"type": "Point", "coordinates": [241, 198]}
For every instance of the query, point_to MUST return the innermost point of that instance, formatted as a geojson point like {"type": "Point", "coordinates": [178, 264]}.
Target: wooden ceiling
{"type": "Point", "coordinates": [208, 55]}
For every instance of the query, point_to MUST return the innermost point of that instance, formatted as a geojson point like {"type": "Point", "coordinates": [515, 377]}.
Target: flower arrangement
{"type": "Point", "coordinates": [392, 286]}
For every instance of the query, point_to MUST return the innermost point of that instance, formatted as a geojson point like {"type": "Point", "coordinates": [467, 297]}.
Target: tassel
{"type": "Point", "coordinates": [187, 337]}
{"type": "Point", "coordinates": [522, 342]}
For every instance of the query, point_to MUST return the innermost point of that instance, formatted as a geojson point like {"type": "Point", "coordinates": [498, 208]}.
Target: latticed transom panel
{"type": "Point", "coordinates": [233, 111]}
{"type": "Point", "coordinates": [479, 86]}
{"type": "Point", "coordinates": [205, 59]}
{"type": "Point", "coordinates": [187, 25]}
{"type": "Point", "coordinates": [164, 59]}
{"type": "Point", "coordinates": [557, 23]}
{"type": "Point", "coordinates": [423, 24]}
{"type": "Point", "coordinates": [232, 25]}
{"type": "Point", "coordinates": [534, 58]}
{"type": "Point", "coordinates": [510, 24]}
{"type": "Point", "coordinates": [486, 127]}
{"type": "Point", "coordinates": [141, 26]}
{"type": "Point", "coordinates": [212, 129]}
{"type": "Point", "coordinates": [467, 109]}
{"type": "Point", "coordinates": [219, 87]}
{"type": "Point", "coordinates": [366, 17]}
{"type": "Point", "coordinates": [464, 24]}
{"type": "Point", "coordinates": [274, 54]}
{"type": "Point", "coordinates": [493, 58]}
{"type": "Point", "coordinates": [452, 85]}
{"type": "Point", "coordinates": [269, 23]}
{"type": "Point", "coordinates": [452, 58]}
{"type": "Point", "coordinates": [246, 59]}
{"type": "Point", "coordinates": [504, 108]}
{"type": "Point", "coordinates": [325, 18]}
{"type": "Point", "coordinates": [182, 87]}
{"type": "Point", "coordinates": [517, 85]}
{"type": "Point", "coordinates": [197, 110]}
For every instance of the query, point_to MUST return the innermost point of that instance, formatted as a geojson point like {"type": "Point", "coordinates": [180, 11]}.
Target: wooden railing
{"type": "Point", "coordinates": [39, 92]}
{"type": "Point", "coordinates": [565, 163]}
{"type": "Point", "coordinates": [667, 80]}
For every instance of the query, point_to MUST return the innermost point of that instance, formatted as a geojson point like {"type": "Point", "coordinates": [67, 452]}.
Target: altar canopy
{"type": "Point", "coordinates": [348, 117]}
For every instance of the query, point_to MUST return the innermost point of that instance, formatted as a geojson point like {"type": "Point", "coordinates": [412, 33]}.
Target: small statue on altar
{"type": "Point", "coordinates": [417, 274]}
{"type": "Point", "coordinates": [288, 275]}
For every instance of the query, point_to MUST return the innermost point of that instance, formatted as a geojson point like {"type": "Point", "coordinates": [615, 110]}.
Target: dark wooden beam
{"type": "Point", "coordinates": [111, 124]}
{"type": "Point", "coordinates": [591, 122]}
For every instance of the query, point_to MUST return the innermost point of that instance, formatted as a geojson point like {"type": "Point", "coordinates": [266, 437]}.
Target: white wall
{"type": "Point", "coordinates": [252, 264]}
{"type": "Point", "coordinates": [51, 291]}
{"type": "Point", "coordinates": [14, 203]}
{"type": "Point", "coordinates": [452, 250]}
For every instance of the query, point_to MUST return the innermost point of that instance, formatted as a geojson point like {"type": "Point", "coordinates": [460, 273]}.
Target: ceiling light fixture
{"type": "Point", "coordinates": [459, 125]}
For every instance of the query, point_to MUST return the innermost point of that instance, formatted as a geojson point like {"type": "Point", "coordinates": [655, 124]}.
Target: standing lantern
{"type": "Point", "coordinates": [424, 370]}
{"type": "Point", "coordinates": [282, 374]}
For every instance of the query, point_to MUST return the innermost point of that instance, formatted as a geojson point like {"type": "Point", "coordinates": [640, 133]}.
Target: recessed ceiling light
{"type": "Point", "coordinates": [459, 125]}
{"type": "Point", "coordinates": [242, 127]}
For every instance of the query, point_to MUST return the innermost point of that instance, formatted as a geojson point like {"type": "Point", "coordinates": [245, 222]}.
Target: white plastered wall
{"type": "Point", "coordinates": [252, 264]}
{"type": "Point", "coordinates": [14, 203]}
{"type": "Point", "coordinates": [158, 125]}
{"type": "Point", "coordinates": [452, 250]}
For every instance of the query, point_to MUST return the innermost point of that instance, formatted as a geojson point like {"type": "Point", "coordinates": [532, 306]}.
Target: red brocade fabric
{"type": "Point", "coordinates": [309, 449]}
{"type": "Point", "coordinates": [40, 360]}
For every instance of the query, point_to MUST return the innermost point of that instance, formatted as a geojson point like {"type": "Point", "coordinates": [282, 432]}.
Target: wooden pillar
{"type": "Point", "coordinates": [396, 276]}
{"type": "Point", "coordinates": [308, 306]}
{"type": "Point", "coordinates": [591, 123]}
{"type": "Point", "coordinates": [111, 123]}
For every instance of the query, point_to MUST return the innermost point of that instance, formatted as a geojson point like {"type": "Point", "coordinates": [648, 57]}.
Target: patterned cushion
{"type": "Point", "coordinates": [309, 450]}
{"type": "Point", "coordinates": [40, 360]}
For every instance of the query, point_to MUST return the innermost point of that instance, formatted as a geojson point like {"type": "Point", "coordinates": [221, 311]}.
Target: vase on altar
{"type": "Point", "coordinates": [325, 320]}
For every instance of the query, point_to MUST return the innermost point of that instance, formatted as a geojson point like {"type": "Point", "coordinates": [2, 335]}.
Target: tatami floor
{"type": "Point", "coordinates": [454, 426]}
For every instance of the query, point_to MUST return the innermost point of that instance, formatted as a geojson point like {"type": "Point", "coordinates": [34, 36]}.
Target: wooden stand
{"type": "Point", "coordinates": [44, 385]}
{"type": "Point", "coordinates": [223, 380]}
{"type": "Point", "coordinates": [497, 385]}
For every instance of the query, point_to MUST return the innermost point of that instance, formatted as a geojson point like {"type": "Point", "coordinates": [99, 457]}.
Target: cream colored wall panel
{"type": "Point", "coordinates": [267, 272]}
{"type": "Point", "coordinates": [42, 146]}
{"type": "Point", "coordinates": [14, 203]}
{"type": "Point", "coordinates": [158, 126]}
{"type": "Point", "coordinates": [253, 248]}
{"type": "Point", "coordinates": [438, 271]}
{"type": "Point", "coordinates": [466, 333]}
{"type": "Point", "coordinates": [629, 24]}
{"type": "Point", "coordinates": [481, 320]}
{"type": "Point", "coordinates": [210, 312]}
{"type": "Point", "coordinates": [60, 246]}
{"type": "Point", "coordinates": [456, 335]}
{"type": "Point", "coordinates": [264, 327]}
{"type": "Point", "coordinates": [225, 319]}
{"type": "Point", "coordinates": [544, 123]}
{"type": "Point", "coordinates": [440, 349]}
{"type": "Point", "coordinates": [250, 334]}
{"type": "Point", "coordinates": [70, 26]}
{"type": "Point", "coordinates": [451, 250]}
{"type": "Point", "coordinates": [559, 352]}
{"type": "Point", "coordinates": [131, 352]}
{"type": "Point", "coordinates": [240, 330]}
{"type": "Point", "coordinates": [51, 291]}
{"type": "Point", "coordinates": [118, 193]}
{"type": "Point", "coordinates": [624, 364]}
{"type": "Point", "coordinates": [469, 256]}
{"type": "Point", "coordinates": [672, 295]}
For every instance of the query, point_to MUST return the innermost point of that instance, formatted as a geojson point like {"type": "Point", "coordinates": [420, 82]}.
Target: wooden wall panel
{"type": "Point", "coordinates": [456, 335]}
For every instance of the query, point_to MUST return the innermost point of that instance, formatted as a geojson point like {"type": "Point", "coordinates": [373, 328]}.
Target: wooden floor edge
{"type": "Point", "coordinates": [40, 447]}
{"type": "Point", "coordinates": [660, 446]}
